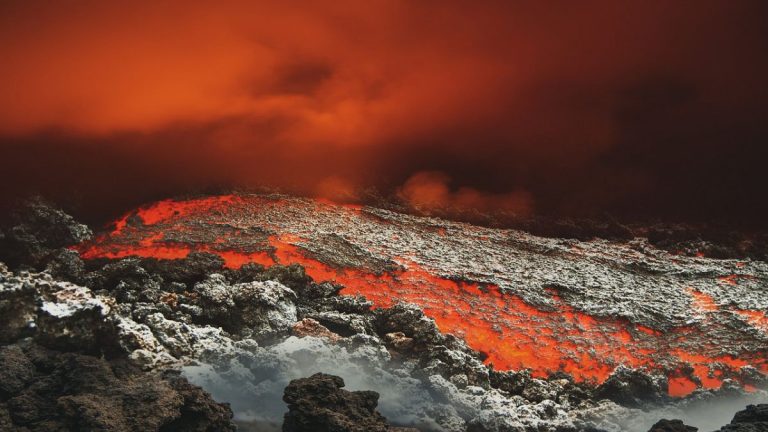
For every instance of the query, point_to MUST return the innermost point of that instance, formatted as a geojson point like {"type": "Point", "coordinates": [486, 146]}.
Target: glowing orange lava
{"type": "Point", "coordinates": [510, 332]}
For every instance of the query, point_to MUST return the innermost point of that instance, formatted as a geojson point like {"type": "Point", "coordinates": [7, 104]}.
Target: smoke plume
{"type": "Point", "coordinates": [651, 109]}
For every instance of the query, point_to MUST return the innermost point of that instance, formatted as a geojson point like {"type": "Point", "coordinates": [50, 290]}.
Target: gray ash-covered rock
{"type": "Point", "coordinates": [259, 309]}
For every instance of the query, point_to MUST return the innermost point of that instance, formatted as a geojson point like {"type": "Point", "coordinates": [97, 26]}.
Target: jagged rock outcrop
{"type": "Point", "coordinates": [752, 419]}
{"type": "Point", "coordinates": [633, 388]}
{"type": "Point", "coordinates": [665, 425]}
{"type": "Point", "coordinates": [35, 230]}
{"type": "Point", "coordinates": [258, 309]}
{"type": "Point", "coordinates": [65, 365]}
{"type": "Point", "coordinates": [320, 404]}
{"type": "Point", "coordinates": [45, 390]}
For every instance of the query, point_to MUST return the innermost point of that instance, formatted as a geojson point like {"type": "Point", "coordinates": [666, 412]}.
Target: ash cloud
{"type": "Point", "coordinates": [648, 110]}
{"type": "Point", "coordinates": [255, 392]}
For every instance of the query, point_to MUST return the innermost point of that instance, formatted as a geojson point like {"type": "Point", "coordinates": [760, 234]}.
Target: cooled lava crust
{"type": "Point", "coordinates": [544, 304]}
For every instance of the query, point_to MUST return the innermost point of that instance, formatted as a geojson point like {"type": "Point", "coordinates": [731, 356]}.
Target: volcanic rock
{"type": "Point", "coordinates": [17, 306]}
{"type": "Point", "coordinates": [630, 387]}
{"type": "Point", "coordinates": [672, 426]}
{"type": "Point", "coordinates": [257, 309]}
{"type": "Point", "coordinates": [320, 404]}
{"type": "Point", "coordinates": [752, 419]}
{"type": "Point", "coordinates": [399, 341]}
{"type": "Point", "coordinates": [310, 327]}
{"type": "Point", "coordinates": [195, 267]}
{"type": "Point", "coordinates": [519, 300]}
{"type": "Point", "coordinates": [46, 390]}
{"type": "Point", "coordinates": [244, 333]}
{"type": "Point", "coordinates": [35, 230]}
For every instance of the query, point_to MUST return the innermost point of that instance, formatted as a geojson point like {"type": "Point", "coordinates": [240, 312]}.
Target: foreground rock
{"type": "Point", "coordinates": [44, 390]}
{"type": "Point", "coordinates": [320, 404]}
{"type": "Point", "coordinates": [753, 419]}
{"type": "Point", "coordinates": [425, 378]}
{"type": "Point", "coordinates": [672, 426]}
{"type": "Point", "coordinates": [66, 365]}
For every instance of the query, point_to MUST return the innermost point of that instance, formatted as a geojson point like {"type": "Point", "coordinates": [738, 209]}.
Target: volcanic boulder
{"type": "Point", "coordinates": [320, 404]}
{"type": "Point", "coordinates": [631, 387]}
{"type": "Point", "coordinates": [665, 425]}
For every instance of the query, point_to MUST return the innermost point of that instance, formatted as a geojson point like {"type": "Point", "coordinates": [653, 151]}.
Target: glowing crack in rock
{"type": "Point", "coordinates": [548, 305]}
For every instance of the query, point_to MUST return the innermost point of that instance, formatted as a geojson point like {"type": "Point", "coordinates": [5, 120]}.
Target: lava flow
{"type": "Point", "coordinates": [525, 302]}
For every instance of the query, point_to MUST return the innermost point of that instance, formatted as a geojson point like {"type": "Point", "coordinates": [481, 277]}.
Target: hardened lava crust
{"type": "Point", "coordinates": [524, 302]}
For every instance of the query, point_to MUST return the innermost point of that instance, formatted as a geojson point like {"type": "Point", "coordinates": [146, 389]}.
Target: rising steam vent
{"type": "Point", "coordinates": [549, 305]}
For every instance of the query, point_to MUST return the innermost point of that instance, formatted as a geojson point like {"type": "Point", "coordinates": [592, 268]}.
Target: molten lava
{"type": "Point", "coordinates": [513, 333]}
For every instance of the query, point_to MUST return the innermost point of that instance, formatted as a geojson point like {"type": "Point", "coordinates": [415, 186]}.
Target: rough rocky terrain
{"type": "Point", "coordinates": [243, 332]}
{"type": "Point", "coordinates": [552, 305]}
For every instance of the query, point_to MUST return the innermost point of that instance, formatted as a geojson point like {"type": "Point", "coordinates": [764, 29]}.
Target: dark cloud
{"type": "Point", "coordinates": [642, 110]}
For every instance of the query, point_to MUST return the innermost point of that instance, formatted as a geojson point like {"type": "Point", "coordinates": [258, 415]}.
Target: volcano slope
{"type": "Point", "coordinates": [524, 302]}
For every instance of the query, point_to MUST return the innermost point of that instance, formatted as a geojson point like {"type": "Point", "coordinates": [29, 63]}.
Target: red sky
{"type": "Point", "coordinates": [652, 108]}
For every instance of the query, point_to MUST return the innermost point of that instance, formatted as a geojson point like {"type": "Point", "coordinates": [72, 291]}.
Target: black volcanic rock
{"type": "Point", "coordinates": [194, 268]}
{"type": "Point", "coordinates": [630, 387]}
{"type": "Point", "coordinates": [45, 390]}
{"type": "Point", "coordinates": [752, 419]}
{"type": "Point", "coordinates": [672, 426]}
{"type": "Point", "coordinates": [35, 230]}
{"type": "Point", "coordinates": [320, 404]}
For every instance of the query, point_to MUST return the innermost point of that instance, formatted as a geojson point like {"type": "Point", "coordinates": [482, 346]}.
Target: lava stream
{"type": "Point", "coordinates": [511, 333]}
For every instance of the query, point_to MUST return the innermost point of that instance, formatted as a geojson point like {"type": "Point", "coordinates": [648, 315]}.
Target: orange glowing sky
{"type": "Point", "coordinates": [560, 107]}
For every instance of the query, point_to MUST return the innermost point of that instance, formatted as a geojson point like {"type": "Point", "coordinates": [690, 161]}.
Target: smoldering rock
{"type": "Point", "coordinates": [711, 241]}
{"type": "Point", "coordinates": [438, 353]}
{"type": "Point", "coordinates": [73, 319]}
{"type": "Point", "coordinates": [436, 385]}
{"type": "Point", "coordinates": [16, 372]}
{"type": "Point", "coordinates": [123, 275]}
{"type": "Point", "coordinates": [45, 389]}
{"type": "Point", "coordinates": [252, 378]}
{"type": "Point", "coordinates": [157, 319]}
